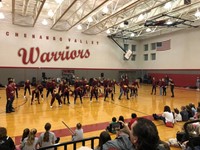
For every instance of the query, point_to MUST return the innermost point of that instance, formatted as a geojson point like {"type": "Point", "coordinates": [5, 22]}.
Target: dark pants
{"type": "Point", "coordinates": [9, 106]}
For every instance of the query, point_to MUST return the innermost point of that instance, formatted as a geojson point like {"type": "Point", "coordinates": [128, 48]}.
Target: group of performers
{"type": "Point", "coordinates": [162, 84]}
{"type": "Point", "coordinates": [82, 88]}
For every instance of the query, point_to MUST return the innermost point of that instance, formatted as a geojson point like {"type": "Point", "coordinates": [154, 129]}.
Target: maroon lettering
{"type": "Point", "coordinates": [16, 34]}
{"type": "Point", "coordinates": [7, 33]}
{"type": "Point", "coordinates": [25, 35]}
{"type": "Point", "coordinates": [35, 55]}
{"type": "Point", "coordinates": [54, 38]}
{"type": "Point", "coordinates": [33, 36]}
{"type": "Point", "coordinates": [47, 37]}
{"type": "Point", "coordinates": [60, 39]}
{"type": "Point", "coordinates": [40, 36]}
{"type": "Point", "coordinates": [32, 58]}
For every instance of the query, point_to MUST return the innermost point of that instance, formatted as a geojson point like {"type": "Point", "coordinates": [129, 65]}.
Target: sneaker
{"type": "Point", "coordinates": [51, 106]}
{"type": "Point", "coordinates": [60, 105]}
{"type": "Point", "coordinates": [24, 96]}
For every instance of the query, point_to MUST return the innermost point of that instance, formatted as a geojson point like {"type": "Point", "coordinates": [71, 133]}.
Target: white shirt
{"type": "Point", "coordinates": [78, 135]}
{"type": "Point", "coordinates": [168, 116]}
{"type": "Point", "coordinates": [177, 117]}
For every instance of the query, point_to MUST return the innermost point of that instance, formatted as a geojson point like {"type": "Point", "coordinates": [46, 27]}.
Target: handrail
{"type": "Point", "coordinates": [74, 143]}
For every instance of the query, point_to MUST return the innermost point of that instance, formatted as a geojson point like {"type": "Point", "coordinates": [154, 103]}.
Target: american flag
{"type": "Point", "coordinates": [164, 45]}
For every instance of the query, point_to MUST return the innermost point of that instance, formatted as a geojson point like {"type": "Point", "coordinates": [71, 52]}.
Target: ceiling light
{"type": "Point", "coordinates": [197, 14]}
{"type": "Point", "coordinates": [108, 31]}
{"type": "Point", "coordinates": [132, 34]}
{"type": "Point", "coordinates": [2, 15]}
{"type": "Point", "coordinates": [59, 1]}
{"type": "Point", "coordinates": [90, 19]}
{"type": "Point", "coordinates": [44, 22]}
{"type": "Point", "coordinates": [46, 5]}
{"type": "Point", "coordinates": [141, 17]}
{"type": "Point", "coordinates": [169, 22]}
{"type": "Point", "coordinates": [105, 10]}
{"type": "Point", "coordinates": [1, 4]}
{"type": "Point", "coordinates": [168, 5]}
{"type": "Point", "coordinates": [79, 27]}
{"type": "Point", "coordinates": [148, 30]}
{"type": "Point", "coordinates": [50, 13]}
{"type": "Point", "coordinates": [121, 25]}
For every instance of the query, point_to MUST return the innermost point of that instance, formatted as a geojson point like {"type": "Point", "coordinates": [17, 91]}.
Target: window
{"type": "Point", "coordinates": [145, 57]}
{"type": "Point", "coordinates": [133, 57]}
{"type": "Point", "coordinates": [146, 47]}
{"type": "Point", "coordinates": [133, 48]}
{"type": "Point", "coordinates": [153, 46]}
{"type": "Point", "coordinates": [159, 44]}
{"type": "Point", "coordinates": [153, 56]}
{"type": "Point", "coordinates": [125, 47]}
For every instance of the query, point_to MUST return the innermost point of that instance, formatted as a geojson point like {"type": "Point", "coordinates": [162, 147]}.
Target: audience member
{"type": "Point", "coordinates": [177, 115]}
{"type": "Point", "coordinates": [190, 112]}
{"type": "Point", "coordinates": [144, 136]}
{"type": "Point", "coordinates": [113, 126]}
{"type": "Point", "coordinates": [167, 115]}
{"type": "Point", "coordinates": [133, 119]}
{"type": "Point", "coordinates": [197, 114]}
{"type": "Point", "coordinates": [184, 114]}
{"type": "Point", "coordinates": [25, 134]}
{"type": "Point", "coordinates": [6, 143]}
{"type": "Point", "coordinates": [103, 138]}
{"type": "Point", "coordinates": [30, 143]}
{"type": "Point", "coordinates": [78, 134]}
{"type": "Point", "coordinates": [121, 142]}
{"type": "Point", "coordinates": [120, 120]}
{"type": "Point", "coordinates": [47, 138]}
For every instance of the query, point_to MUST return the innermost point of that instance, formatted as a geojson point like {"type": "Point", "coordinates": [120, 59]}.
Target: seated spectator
{"type": "Point", "coordinates": [120, 120]}
{"type": "Point", "coordinates": [121, 142]}
{"type": "Point", "coordinates": [25, 134]}
{"type": "Point", "coordinates": [6, 143]}
{"type": "Point", "coordinates": [192, 106]}
{"type": "Point", "coordinates": [47, 138]}
{"type": "Point", "coordinates": [197, 114]}
{"type": "Point", "coordinates": [30, 143]}
{"type": "Point", "coordinates": [190, 112]}
{"type": "Point", "coordinates": [144, 136]}
{"type": "Point", "coordinates": [133, 119]}
{"type": "Point", "coordinates": [103, 138]}
{"type": "Point", "coordinates": [167, 115]}
{"type": "Point", "coordinates": [113, 126]}
{"type": "Point", "coordinates": [177, 115]}
{"type": "Point", "coordinates": [184, 114]}
{"type": "Point", "coordinates": [78, 134]}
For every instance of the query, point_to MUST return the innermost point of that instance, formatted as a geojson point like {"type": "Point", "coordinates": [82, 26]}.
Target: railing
{"type": "Point", "coordinates": [74, 143]}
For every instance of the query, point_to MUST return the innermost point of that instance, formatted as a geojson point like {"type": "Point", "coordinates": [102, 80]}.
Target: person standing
{"type": "Point", "coordinates": [171, 83]}
{"type": "Point", "coordinates": [94, 91]}
{"type": "Point", "coordinates": [27, 86]}
{"type": "Point", "coordinates": [154, 84]}
{"type": "Point", "coordinates": [164, 87]}
{"type": "Point", "coordinates": [10, 95]}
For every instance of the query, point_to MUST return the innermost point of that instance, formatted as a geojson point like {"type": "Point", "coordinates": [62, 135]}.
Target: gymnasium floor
{"type": "Point", "coordinates": [94, 116]}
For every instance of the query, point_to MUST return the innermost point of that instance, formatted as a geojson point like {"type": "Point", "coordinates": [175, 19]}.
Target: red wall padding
{"type": "Point", "coordinates": [183, 80]}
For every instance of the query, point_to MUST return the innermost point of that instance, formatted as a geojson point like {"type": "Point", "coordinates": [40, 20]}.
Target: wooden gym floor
{"type": "Point", "coordinates": [94, 116]}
